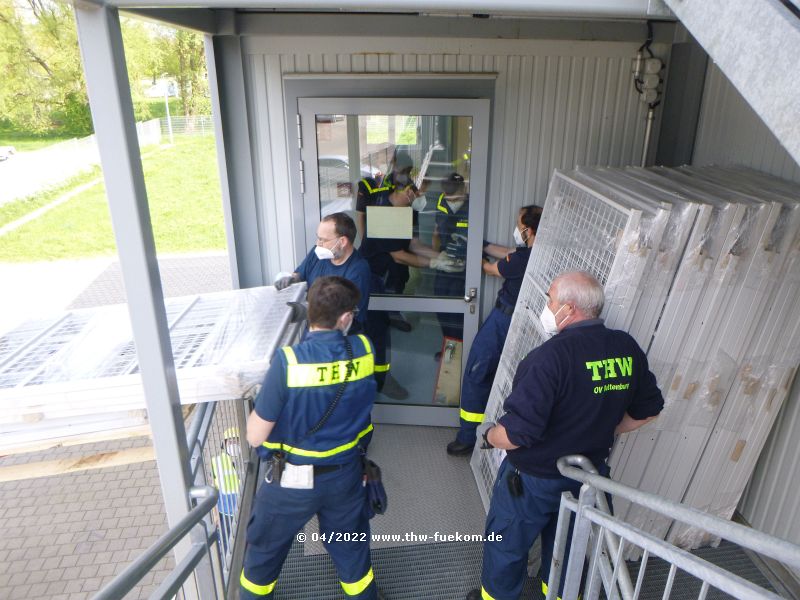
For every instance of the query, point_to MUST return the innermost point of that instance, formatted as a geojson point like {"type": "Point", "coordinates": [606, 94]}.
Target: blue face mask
{"type": "Point", "coordinates": [401, 179]}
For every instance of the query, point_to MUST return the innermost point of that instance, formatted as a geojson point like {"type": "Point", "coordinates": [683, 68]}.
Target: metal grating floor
{"type": "Point", "coordinates": [448, 571]}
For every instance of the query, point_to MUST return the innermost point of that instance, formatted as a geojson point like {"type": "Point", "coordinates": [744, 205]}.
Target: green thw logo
{"type": "Point", "coordinates": [609, 368]}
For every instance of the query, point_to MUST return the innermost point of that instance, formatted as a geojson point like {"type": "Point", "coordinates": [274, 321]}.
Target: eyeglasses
{"type": "Point", "coordinates": [324, 241]}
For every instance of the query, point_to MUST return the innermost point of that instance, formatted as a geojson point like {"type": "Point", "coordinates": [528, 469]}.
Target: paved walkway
{"type": "Point", "coordinates": [65, 536]}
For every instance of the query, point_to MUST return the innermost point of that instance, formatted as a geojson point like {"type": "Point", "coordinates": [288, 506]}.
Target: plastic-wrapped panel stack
{"type": "Point", "coordinates": [716, 307]}
{"type": "Point", "coordinates": [614, 238]}
{"type": "Point", "coordinates": [78, 373]}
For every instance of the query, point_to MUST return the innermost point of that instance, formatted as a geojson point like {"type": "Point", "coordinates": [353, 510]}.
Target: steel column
{"type": "Point", "coordinates": [101, 46]}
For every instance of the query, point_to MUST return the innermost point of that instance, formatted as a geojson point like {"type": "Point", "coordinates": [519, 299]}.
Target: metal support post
{"type": "Point", "coordinates": [580, 541]}
{"type": "Point", "coordinates": [101, 46]}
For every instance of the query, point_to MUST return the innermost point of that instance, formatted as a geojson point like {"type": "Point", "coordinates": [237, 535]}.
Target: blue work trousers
{"type": "Point", "coordinates": [279, 514]}
{"type": "Point", "coordinates": [484, 356]}
{"type": "Point", "coordinates": [520, 520]}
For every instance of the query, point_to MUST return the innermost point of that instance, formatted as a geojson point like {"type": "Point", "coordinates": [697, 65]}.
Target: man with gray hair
{"type": "Point", "coordinates": [570, 395]}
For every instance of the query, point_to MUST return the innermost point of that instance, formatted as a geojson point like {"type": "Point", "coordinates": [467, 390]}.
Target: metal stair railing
{"type": "Point", "coordinates": [605, 539]}
{"type": "Point", "coordinates": [192, 524]}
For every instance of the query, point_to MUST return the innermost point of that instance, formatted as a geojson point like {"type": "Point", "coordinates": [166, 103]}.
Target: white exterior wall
{"type": "Point", "coordinates": [730, 132]}
{"type": "Point", "coordinates": [558, 104]}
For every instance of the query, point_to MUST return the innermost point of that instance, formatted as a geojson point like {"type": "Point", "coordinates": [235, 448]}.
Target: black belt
{"type": "Point", "coordinates": [506, 310]}
{"type": "Point", "coordinates": [320, 469]}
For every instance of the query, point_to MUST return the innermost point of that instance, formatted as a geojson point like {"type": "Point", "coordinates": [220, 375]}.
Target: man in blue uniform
{"type": "Point", "coordinates": [313, 414]}
{"type": "Point", "coordinates": [484, 356]}
{"type": "Point", "coordinates": [450, 235]}
{"type": "Point", "coordinates": [569, 396]}
{"type": "Point", "coordinates": [334, 254]}
{"type": "Point", "coordinates": [388, 260]}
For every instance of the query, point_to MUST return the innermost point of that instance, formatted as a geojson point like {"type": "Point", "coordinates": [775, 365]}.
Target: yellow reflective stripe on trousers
{"type": "Point", "coordinates": [355, 588]}
{"type": "Point", "coordinates": [462, 224]}
{"type": "Point", "coordinates": [544, 591]}
{"type": "Point", "coordinates": [332, 373]}
{"type": "Point", "coordinates": [318, 453]}
{"type": "Point", "coordinates": [486, 595]}
{"type": "Point", "coordinates": [253, 588]}
{"type": "Point", "coordinates": [382, 368]}
{"type": "Point", "coordinates": [471, 417]}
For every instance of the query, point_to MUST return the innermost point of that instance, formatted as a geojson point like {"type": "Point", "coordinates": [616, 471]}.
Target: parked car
{"type": "Point", "coordinates": [335, 187]}
{"type": "Point", "coordinates": [6, 152]}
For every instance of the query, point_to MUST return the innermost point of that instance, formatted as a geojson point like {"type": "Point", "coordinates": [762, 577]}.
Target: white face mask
{"type": "Point", "coordinates": [233, 450]}
{"type": "Point", "coordinates": [518, 237]}
{"type": "Point", "coordinates": [324, 253]}
{"type": "Point", "coordinates": [419, 203]}
{"type": "Point", "coordinates": [347, 327]}
{"type": "Point", "coordinates": [548, 320]}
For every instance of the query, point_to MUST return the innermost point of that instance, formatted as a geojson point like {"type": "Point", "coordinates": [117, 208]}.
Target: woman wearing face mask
{"type": "Point", "coordinates": [484, 356]}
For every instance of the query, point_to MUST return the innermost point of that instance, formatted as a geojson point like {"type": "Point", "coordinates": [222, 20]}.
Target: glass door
{"type": "Point", "coordinates": [412, 175]}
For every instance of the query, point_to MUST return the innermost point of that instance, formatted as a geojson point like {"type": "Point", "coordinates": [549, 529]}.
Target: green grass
{"type": "Point", "coordinates": [25, 142]}
{"type": "Point", "coordinates": [185, 208]}
{"type": "Point", "coordinates": [16, 209]}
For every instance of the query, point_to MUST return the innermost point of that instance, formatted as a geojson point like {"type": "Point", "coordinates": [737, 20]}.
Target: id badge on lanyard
{"type": "Point", "coordinates": [298, 477]}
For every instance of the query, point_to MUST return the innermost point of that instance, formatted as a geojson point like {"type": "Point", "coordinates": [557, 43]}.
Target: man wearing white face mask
{"type": "Point", "coordinates": [570, 395]}
{"type": "Point", "coordinates": [313, 415]}
{"type": "Point", "coordinates": [334, 254]}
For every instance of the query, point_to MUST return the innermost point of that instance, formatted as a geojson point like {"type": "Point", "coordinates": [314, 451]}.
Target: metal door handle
{"type": "Point", "coordinates": [473, 293]}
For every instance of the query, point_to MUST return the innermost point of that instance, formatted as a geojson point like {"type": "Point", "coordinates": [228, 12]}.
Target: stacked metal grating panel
{"type": "Point", "coordinates": [78, 373]}
{"type": "Point", "coordinates": [610, 235]}
{"type": "Point", "coordinates": [702, 266]}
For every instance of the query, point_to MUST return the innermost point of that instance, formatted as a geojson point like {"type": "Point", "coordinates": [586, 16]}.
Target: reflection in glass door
{"type": "Point", "coordinates": [408, 174]}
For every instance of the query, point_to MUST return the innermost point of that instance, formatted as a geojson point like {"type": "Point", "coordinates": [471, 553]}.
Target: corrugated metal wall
{"type": "Point", "coordinates": [557, 105]}
{"type": "Point", "coordinates": [730, 132]}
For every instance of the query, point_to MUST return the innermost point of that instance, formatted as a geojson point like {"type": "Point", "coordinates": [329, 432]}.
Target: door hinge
{"type": "Point", "coordinates": [299, 133]}
{"type": "Point", "coordinates": [302, 178]}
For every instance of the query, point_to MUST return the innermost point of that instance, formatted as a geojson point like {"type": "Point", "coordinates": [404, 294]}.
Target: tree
{"type": "Point", "coordinates": [43, 86]}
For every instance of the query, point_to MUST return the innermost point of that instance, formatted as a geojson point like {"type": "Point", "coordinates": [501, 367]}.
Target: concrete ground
{"type": "Point", "coordinates": [65, 536]}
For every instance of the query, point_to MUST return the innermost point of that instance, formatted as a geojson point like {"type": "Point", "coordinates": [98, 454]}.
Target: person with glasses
{"type": "Point", "coordinates": [334, 254]}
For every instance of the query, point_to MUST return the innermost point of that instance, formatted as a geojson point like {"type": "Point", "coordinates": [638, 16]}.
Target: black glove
{"type": "Point", "coordinates": [284, 282]}
{"type": "Point", "coordinates": [299, 311]}
{"type": "Point", "coordinates": [483, 433]}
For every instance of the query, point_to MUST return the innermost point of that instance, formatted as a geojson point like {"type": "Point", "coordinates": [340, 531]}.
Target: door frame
{"type": "Point", "coordinates": [306, 206]}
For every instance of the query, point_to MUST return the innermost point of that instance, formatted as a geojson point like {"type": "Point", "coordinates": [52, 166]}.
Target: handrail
{"type": "Point", "coordinates": [130, 577]}
{"type": "Point", "coordinates": [779, 549]}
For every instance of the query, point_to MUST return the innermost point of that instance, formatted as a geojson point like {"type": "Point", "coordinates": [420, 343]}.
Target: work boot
{"type": "Point", "coordinates": [392, 388]}
{"type": "Point", "coordinates": [474, 595]}
{"type": "Point", "coordinates": [456, 448]}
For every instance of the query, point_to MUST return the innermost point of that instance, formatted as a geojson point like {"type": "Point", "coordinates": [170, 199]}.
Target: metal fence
{"type": "Point", "coordinates": [605, 539]}
{"type": "Point", "coordinates": [223, 483]}
{"type": "Point", "coordinates": [194, 125]}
